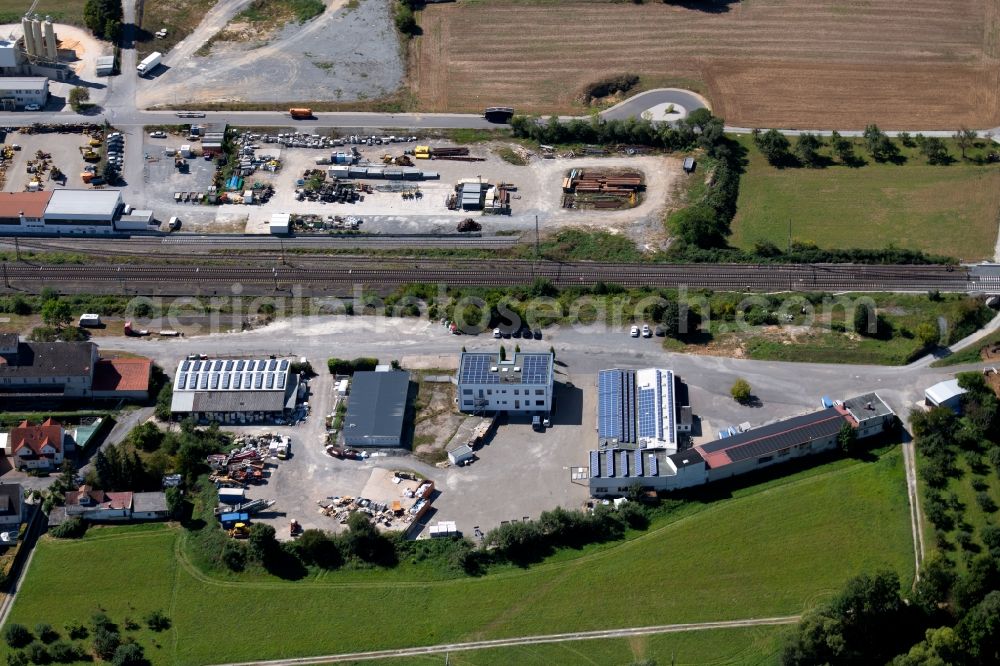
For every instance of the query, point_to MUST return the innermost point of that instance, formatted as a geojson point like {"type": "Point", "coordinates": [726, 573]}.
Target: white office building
{"type": "Point", "coordinates": [519, 384]}
{"type": "Point", "coordinates": [83, 211]}
{"type": "Point", "coordinates": [19, 91]}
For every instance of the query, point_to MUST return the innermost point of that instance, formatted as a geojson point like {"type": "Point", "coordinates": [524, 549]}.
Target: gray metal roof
{"type": "Point", "coordinates": [774, 437]}
{"type": "Point", "coordinates": [49, 359]}
{"type": "Point", "coordinates": [239, 401]}
{"type": "Point", "coordinates": [376, 407]}
{"type": "Point", "coordinates": [23, 82]}
{"type": "Point", "coordinates": [83, 202]}
{"type": "Point", "coordinates": [867, 406]}
{"type": "Point", "coordinates": [156, 501]}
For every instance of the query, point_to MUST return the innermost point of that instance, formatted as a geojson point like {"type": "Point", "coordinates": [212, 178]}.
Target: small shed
{"type": "Point", "coordinates": [461, 454]}
{"type": "Point", "coordinates": [90, 320]}
{"type": "Point", "coordinates": [281, 223]}
{"type": "Point", "coordinates": [105, 65]}
{"type": "Point", "coordinates": [231, 495]}
{"type": "Point", "coordinates": [945, 394]}
{"type": "Point", "coordinates": [689, 165]}
{"type": "Point", "coordinates": [186, 150]}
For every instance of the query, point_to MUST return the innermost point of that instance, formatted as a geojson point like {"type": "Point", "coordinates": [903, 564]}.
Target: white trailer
{"type": "Point", "coordinates": [149, 63]}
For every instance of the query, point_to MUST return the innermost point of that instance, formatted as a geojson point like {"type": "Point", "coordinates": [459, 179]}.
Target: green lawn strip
{"type": "Point", "coordinates": [758, 554]}
{"type": "Point", "coordinates": [971, 354]}
{"type": "Point", "coordinates": [747, 647]}
{"type": "Point", "coordinates": [949, 210]}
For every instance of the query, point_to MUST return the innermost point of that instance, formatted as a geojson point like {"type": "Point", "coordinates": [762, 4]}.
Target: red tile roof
{"type": "Point", "coordinates": [32, 204]}
{"type": "Point", "coordinates": [122, 374]}
{"type": "Point", "coordinates": [36, 437]}
{"type": "Point", "coordinates": [98, 499]}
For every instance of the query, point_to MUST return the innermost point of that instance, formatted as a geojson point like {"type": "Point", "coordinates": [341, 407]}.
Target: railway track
{"type": "Point", "coordinates": [189, 278]}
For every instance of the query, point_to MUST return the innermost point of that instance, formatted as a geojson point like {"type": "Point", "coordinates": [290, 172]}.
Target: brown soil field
{"type": "Point", "coordinates": [905, 64]}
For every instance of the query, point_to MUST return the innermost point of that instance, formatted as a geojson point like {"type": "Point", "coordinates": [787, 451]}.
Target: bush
{"type": "Point", "coordinates": [405, 20]}
{"type": "Point", "coordinates": [76, 630]}
{"type": "Point", "coordinates": [106, 642]}
{"type": "Point", "coordinates": [17, 659]}
{"type": "Point", "coordinates": [100, 620]}
{"type": "Point", "coordinates": [158, 621]}
{"type": "Point", "coordinates": [64, 652]}
{"type": "Point", "coordinates": [37, 653]}
{"type": "Point", "coordinates": [129, 654]}
{"type": "Point", "coordinates": [986, 502]}
{"type": "Point", "coordinates": [45, 632]}
{"type": "Point", "coordinates": [339, 366]}
{"type": "Point", "coordinates": [17, 635]}
{"type": "Point", "coordinates": [740, 390]}
{"type": "Point", "coordinates": [316, 547]}
{"type": "Point", "coordinates": [234, 556]}
{"type": "Point", "coordinates": [71, 528]}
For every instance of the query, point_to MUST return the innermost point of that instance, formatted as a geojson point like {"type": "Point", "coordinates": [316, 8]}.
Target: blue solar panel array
{"type": "Point", "coordinates": [609, 464]}
{"type": "Point", "coordinates": [649, 419]}
{"type": "Point", "coordinates": [595, 464]}
{"type": "Point", "coordinates": [232, 375]}
{"type": "Point", "coordinates": [623, 463]}
{"type": "Point", "coordinates": [536, 369]}
{"type": "Point", "coordinates": [637, 463]}
{"type": "Point", "coordinates": [609, 404]}
{"type": "Point", "coordinates": [654, 465]}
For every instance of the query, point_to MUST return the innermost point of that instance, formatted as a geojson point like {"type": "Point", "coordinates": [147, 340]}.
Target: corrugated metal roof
{"type": "Point", "coordinates": [84, 202]}
{"type": "Point", "coordinates": [773, 438]}
{"type": "Point", "coordinates": [376, 407]}
{"type": "Point", "coordinates": [23, 82]}
{"type": "Point", "coordinates": [944, 391]}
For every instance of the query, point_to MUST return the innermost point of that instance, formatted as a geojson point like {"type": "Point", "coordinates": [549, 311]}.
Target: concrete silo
{"type": "Point", "coordinates": [50, 40]}
{"type": "Point", "coordinates": [36, 37]}
{"type": "Point", "coordinates": [29, 37]}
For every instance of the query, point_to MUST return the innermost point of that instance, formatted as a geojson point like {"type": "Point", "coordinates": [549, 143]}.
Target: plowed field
{"type": "Point", "coordinates": [907, 64]}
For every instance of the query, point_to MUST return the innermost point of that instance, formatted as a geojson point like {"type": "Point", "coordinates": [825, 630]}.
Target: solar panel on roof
{"type": "Point", "coordinates": [281, 381]}
{"type": "Point", "coordinates": [185, 365]}
{"type": "Point", "coordinates": [237, 381]}
{"type": "Point", "coordinates": [595, 464]}
{"type": "Point", "coordinates": [215, 380]}
{"type": "Point", "coordinates": [229, 365]}
{"type": "Point", "coordinates": [654, 465]}
{"type": "Point", "coordinates": [225, 380]}
{"type": "Point", "coordinates": [203, 383]}
{"type": "Point", "coordinates": [637, 463]}
{"type": "Point", "coordinates": [648, 416]}
{"type": "Point", "coordinates": [270, 381]}
{"type": "Point", "coordinates": [272, 365]}
{"type": "Point", "coordinates": [197, 366]}
{"type": "Point", "coordinates": [240, 365]}
{"type": "Point", "coordinates": [609, 464]}
{"type": "Point", "coordinates": [623, 463]}
{"type": "Point", "coordinates": [258, 380]}
{"type": "Point", "coordinates": [283, 365]}
{"type": "Point", "coordinates": [182, 381]}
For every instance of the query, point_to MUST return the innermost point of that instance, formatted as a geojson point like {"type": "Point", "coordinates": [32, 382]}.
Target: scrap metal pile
{"type": "Point", "coordinates": [398, 514]}
{"type": "Point", "coordinates": [596, 189]}
{"type": "Point", "coordinates": [245, 463]}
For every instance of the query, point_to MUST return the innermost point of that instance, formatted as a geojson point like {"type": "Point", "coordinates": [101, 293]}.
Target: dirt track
{"type": "Point", "coordinates": [812, 63]}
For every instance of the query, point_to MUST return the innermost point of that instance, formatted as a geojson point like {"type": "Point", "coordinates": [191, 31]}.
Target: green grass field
{"type": "Point", "coordinates": [746, 647]}
{"type": "Point", "coordinates": [950, 210]}
{"type": "Point", "coordinates": [61, 11]}
{"type": "Point", "coordinates": [771, 549]}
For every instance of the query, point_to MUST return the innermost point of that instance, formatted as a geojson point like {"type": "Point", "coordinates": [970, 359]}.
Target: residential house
{"type": "Point", "coordinates": [36, 446]}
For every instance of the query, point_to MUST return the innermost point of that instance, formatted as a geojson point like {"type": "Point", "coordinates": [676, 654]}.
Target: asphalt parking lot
{"type": "Point", "coordinates": [161, 179]}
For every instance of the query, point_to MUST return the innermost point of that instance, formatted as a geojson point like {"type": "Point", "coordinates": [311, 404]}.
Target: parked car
{"type": "Point", "coordinates": [646, 333]}
{"type": "Point", "coordinates": [536, 424]}
{"type": "Point", "coordinates": [32, 107]}
{"type": "Point", "coordinates": [158, 134]}
{"type": "Point", "coordinates": [496, 333]}
{"type": "Point", "coordinates": [660, 331]}
{"type": "Point", "coordinates": [634, 331]}
{"type": "Point", "coordinates": [538, 334]}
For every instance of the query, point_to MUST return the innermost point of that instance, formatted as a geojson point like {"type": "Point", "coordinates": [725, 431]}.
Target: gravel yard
{"type": "Point", "coordinates": [343, 55]}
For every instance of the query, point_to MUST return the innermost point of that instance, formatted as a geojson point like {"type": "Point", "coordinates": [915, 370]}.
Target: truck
{"type": "Point", "coordinates": [149, 63]}
{"type": "Point", "coordinates": [300, 113]}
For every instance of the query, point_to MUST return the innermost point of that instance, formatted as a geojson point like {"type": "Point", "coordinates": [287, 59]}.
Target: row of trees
{"type": "Point", "coordinates": [780, 152]}
{"type": "Point", "coordinates": [104, 18]}
{"type": "Point", "coordinates": [46, 644]}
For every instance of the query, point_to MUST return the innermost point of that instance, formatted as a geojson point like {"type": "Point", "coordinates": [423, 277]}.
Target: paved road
{"type": "Point", "coordinates": [445, 648]}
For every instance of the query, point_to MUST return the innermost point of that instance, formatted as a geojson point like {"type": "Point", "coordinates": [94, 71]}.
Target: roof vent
{"type": "Point", "coordinates": [517, 369]}
{"type": "Point", "coordinates": [493, 368]}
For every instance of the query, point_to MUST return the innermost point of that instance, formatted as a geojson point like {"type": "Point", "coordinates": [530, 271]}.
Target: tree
{"type": "Point", "coordinates": [234, 556]}
{"type": "Point", "coordinates": [158, 621]}
{"type": "Point", "coordinates": [940, 647]}
{"type": "Point", "coordinates": [318, 548]}
{"type": "Point", "coordinates": [106, 643]}
{"type": "Point", "coordinates": [773, 146]}
{"type": "Point", "coordinates": [17, 635]}
{"type": "Point", "coordinates": [37, 653]}
{"type": "Point", "coordinates": [78, 96]}
{"type": "Point", "coordinates": [928, 334]}
{"type": "Point", "coordinates": [45, 632]}
{"type": "Point", "coordinates": [56, 312]}
{"type": "Point", "coordinates": [807, 147]}
{"type": "Point", "coordinates": [740, 390]}
{"type": "Point", "coordinates": [865, 322]}
{"type": "Point", "coordinates": [699, 226]}
{"type": "Point", "coordinates": [103, 17]}
{"type": "Point", "coordinates": [262, 543]}
{"type": "Point", "coordinates": [175, 502]}
{"type": "Point", "coordinates": [146, 436]}
{"type": "Point", "coordinates": [842, 148]}
{"type": "Point", "coordinates": [935, 150]}
{"type": "Point", "coordinates": [879, 145]}
{"type": "Point", "coordinates": [847, 439]}
{"type": "Point", "coordinates": [980, 630]}
{"type": "Point", "coordinates": [965, 138]}
{"type": "Point", "coordinates": [129, 654]}
{"type": "Point", "coordinates": [503, 353]}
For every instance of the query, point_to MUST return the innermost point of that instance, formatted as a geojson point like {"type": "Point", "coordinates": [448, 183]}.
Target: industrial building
{"type": "Point", "coordinates": [376, 409]}
{"type": "Point", "coordinates": [19, 91]}
{"type": "Point", "coordinates": [68, 370]}
{"type": "Point", "coordinates": [490, 383]}
{"type": "Point", "coordinates": [281, 223]}
{"type": "Point", "coordinates": [945, 394]}
{"type": "Point", "coordinates": [70, 211]}
{"type": "Point", "coordinates": [614, 470]}
{"type": "Point", "coordinates": [638, 409]}
{"type": "Point", "coordinates": [235, 390]}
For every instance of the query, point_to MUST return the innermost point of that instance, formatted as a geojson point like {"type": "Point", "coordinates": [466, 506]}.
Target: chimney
{"type": "Point", "coordinates": [20, 214]}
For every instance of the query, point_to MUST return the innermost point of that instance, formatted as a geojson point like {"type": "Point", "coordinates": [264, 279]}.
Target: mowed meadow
{"type": "Point", "coordinates": [762, 63]}
{"type": "Point", "coordinates": [765, 550]}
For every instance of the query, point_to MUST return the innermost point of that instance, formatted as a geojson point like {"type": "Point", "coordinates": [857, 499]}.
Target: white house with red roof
{"type": "Point", "coordinates": [35, 446]}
